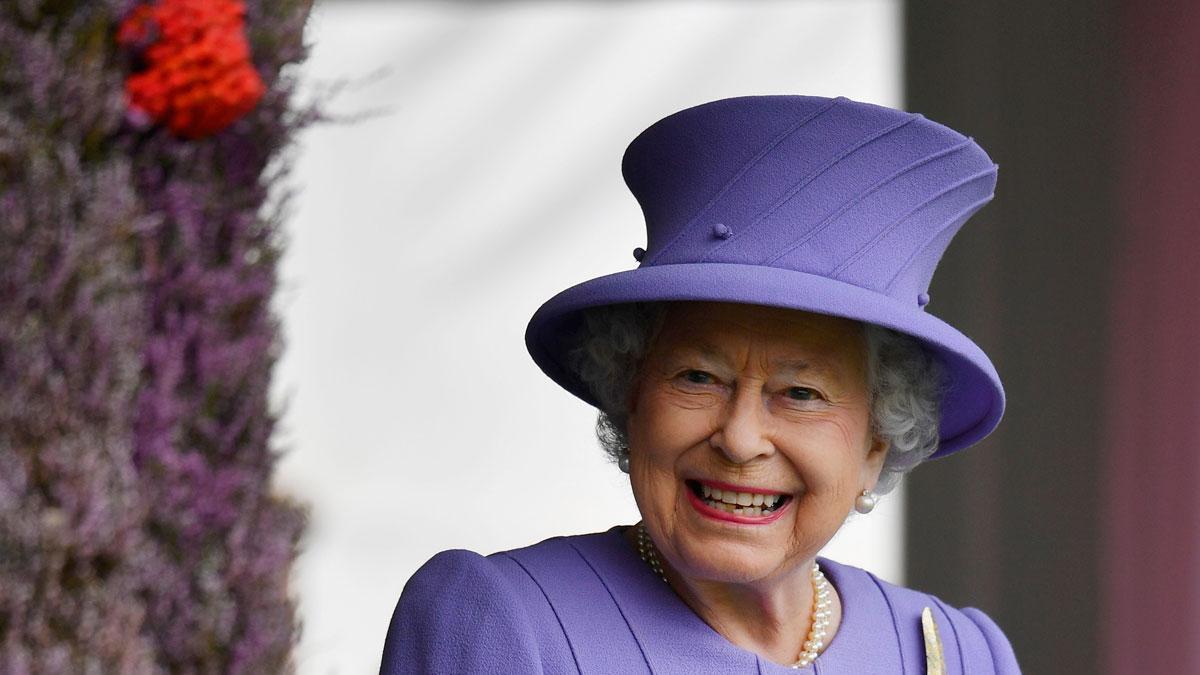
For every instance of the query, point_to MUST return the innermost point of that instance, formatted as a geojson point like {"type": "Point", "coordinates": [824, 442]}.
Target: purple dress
{"type": "Point", "coordinates": [588, 604]}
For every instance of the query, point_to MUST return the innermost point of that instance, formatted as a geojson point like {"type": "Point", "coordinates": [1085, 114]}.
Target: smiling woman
{"type": "Point", "coordinates": [768, 368]}
{"type": "Point", "coordinates": [749, 402]}
{"type": "Point", "coordinates": [905, 384]}
{"type": "Point", "coordinates": [720, 401]}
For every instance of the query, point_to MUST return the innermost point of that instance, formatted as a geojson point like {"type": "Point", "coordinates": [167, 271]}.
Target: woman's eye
{"type": "Point", "coordinates": [698, 377]}
{"type": "Point", "coordinates": [803, 394]}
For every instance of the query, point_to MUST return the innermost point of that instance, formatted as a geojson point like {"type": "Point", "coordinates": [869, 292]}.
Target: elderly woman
{"type": "Point", "coordinates": [768, 367]}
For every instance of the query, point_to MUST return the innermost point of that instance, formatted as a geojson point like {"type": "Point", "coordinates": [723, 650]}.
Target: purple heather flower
{"type": "Point", "coordinates": [136, 350]}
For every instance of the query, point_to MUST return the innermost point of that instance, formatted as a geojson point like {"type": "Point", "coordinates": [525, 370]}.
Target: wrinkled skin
{"type": "Point", "coordinates": [759, 397]}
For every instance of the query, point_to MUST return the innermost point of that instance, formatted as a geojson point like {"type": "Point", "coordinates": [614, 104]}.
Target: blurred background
{"type": "Point", "coordinates": [485, 177]}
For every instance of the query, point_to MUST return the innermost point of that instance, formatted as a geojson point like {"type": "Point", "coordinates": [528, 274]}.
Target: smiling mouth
{"type": "Point", "coordinates": [748, 504]}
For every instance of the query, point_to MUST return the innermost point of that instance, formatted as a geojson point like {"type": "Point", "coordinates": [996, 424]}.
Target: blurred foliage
{"type": "Point", "coordinates": [138, 529]}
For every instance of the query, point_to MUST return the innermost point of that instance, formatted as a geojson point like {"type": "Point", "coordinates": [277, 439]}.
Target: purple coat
{"type": "Point", "coordinates": [588, 604]}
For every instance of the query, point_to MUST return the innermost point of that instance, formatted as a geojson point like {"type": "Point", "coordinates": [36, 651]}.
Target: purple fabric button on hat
{"type": "Point", "coordinates": [827, 205]}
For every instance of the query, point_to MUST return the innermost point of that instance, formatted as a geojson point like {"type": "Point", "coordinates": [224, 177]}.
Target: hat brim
{"type": "Point", "coordinates": [972, 403]}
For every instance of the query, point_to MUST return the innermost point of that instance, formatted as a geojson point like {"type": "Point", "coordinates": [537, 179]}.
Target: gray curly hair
{"type": "Point", "coordinates": [904, 381]}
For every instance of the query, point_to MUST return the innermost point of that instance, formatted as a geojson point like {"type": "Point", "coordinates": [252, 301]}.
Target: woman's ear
{"type": "Point", "coordinates": [635, 387]}
{"type": "Point", "coordinates": [876, 456]}
{"type": "Point", "coordinates": [631, 399]}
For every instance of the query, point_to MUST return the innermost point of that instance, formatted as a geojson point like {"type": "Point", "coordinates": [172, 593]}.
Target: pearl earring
{"type": "Point", "coordinates": [623, 460]}
{"type": "Point", "coordinates": [865, 502]}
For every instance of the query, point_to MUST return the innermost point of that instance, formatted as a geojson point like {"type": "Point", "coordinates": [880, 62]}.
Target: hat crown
{"type": "Point", "coordinates": [855, 192]}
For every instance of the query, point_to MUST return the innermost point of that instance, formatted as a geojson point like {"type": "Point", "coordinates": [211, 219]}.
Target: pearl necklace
{"type": "Point", "coordinates": [821, 600]}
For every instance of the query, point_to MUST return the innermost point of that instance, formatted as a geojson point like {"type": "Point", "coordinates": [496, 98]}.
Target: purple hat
{"type": "Point", "coordinates": [823, 205]}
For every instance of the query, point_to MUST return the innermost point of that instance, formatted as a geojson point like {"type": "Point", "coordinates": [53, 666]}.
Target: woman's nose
{"type": "Point", "coordinates": [742, 433]}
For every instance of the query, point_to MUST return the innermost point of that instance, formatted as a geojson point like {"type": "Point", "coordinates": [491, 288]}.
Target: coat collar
{"type": "Point", "coordinates": [674, 639]}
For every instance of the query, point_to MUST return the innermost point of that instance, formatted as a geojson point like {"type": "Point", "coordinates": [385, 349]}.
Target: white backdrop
{"type": "Point", "coordinates": [423, 239]}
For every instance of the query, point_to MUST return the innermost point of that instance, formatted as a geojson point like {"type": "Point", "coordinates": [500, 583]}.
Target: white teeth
{"type": "Point", "coordinates": [740, 503]}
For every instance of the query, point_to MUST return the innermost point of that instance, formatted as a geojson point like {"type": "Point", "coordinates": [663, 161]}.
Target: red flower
{"type": "Point", "coordinates": [199, 78]}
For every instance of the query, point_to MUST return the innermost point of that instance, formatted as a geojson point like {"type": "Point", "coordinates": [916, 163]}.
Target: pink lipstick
{"type": "Point", "coordinates": [736, 504]}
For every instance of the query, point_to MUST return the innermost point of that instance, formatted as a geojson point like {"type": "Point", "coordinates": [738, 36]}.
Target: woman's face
{"type": "Point", "coordinates": [768, 404]}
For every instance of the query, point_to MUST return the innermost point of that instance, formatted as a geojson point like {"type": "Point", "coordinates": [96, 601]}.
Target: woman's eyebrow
{"type": "Point", "coordinates": [790, 365]}
{"type": "Point", "coordinates": [710, 352]}
{"type": "Point", "coordinates": [706, 351]}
